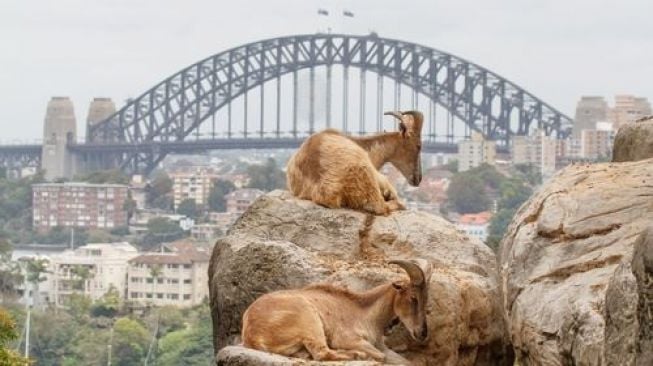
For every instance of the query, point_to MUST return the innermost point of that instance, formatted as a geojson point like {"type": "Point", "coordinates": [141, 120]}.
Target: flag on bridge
{"type": "Point", "coordinates": [322, 12]}
{"type": "Point", "coordinates": [348, 13]}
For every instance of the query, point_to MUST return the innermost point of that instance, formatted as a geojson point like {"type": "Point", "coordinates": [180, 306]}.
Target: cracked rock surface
{"type": "Point", "coordinates": [577, 268]}
{"type": "Point", "coordinates": [282, 242]}
{"type": "Point", "coordinates": [634, 141]}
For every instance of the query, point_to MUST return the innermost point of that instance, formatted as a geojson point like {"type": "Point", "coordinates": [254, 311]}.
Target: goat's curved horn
{"type": "Point", "coordinates": [414, 271]}
{"type": "Point", "coordinates": [395, 114]}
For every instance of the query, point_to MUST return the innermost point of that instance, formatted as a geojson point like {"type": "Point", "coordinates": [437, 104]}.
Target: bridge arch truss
{"type": "Point", "coordinates": [173, 110]}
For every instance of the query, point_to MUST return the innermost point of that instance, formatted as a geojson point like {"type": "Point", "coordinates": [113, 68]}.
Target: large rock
{"type": "Point", "coordinates": [574, 292]}
{"type": "Point", "coordinates": [634, 141]}
{"type": "Point", "coordinates": [282, 242]}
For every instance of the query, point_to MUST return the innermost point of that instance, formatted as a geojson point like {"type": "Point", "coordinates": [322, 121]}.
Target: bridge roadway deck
{"type": "Point", "coordinates": [204, 144]}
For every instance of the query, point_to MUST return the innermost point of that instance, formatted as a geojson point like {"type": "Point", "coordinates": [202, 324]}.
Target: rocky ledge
{"type": "Point", "coordinates": [577, 268]}
{"type": "Point", "coordinates": [282, 242]}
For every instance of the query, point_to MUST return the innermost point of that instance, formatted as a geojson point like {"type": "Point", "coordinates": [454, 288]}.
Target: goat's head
{"type": "Point", "coordinates": [410, 302]}
{"type": "Point", "coordinates": [407, 154]}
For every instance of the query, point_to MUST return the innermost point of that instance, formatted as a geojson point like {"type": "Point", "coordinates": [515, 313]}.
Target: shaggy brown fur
{"type": "Point", "coordinates": [335, 170]}
{"type": "Point", "coordinates": [333, 323]}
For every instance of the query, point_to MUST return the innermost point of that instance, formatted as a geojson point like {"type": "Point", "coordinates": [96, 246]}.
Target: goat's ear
{"type": "Point", "coordinates": [399, 285]}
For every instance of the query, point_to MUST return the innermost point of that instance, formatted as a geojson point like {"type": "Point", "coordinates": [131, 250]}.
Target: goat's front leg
{"type": "Point", "coordinates": [392, 357]}
{"type": "Point", "coordinates": [387, 190]}
{"type": "Point", "coordinates": [367, 348]}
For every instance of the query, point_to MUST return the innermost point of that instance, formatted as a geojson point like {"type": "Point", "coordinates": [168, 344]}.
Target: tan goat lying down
{"type": "Point", "coordinates": [335, 170]}
{"type": "Point", "coordinates": [333, 324]}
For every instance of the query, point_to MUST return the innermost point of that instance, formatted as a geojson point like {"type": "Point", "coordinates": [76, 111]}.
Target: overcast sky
{"type": "Point", "coordinates": [558, 50]}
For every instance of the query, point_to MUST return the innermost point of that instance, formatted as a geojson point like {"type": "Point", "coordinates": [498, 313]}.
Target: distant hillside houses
{"type": "Point", "coordinates": [175, 275]}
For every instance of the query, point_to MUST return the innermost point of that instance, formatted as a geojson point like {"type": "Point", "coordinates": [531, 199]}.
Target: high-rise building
{"type": "Point", "coordinates": [628, 108]}
{"type": "Point", "coordinates": [474, 152]}
{"type": "Point", "coordinates": [538, 150]}
{"type": "Point", "coordinates": [75, 204]}
{"type": "Point", "coordinates": [193, 184]}
{"type": "Point", "coordinates": [176, 276]}
{"type": "Point", "coordinates": [589, 110]}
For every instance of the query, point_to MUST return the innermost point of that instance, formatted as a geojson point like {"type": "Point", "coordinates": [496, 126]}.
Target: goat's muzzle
{"type": "Point", "coordinates": [423, 334]}
{"type": "Point", "coordinates": [416, 179]}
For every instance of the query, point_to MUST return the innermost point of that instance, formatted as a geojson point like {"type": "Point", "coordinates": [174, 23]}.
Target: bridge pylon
{"type": "Point", "coordinates": [59, 130]}
{"type": "Point", "coordinates": [99, 109]}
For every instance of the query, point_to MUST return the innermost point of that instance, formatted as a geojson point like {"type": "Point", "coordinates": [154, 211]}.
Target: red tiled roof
{"type": "Point", "coordinates": [480, 218]}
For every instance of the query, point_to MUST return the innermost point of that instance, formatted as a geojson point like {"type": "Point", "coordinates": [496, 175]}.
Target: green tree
{"type": "Point", "coordinates": [129, 206]}
{"type": "Point", "coordinates": [34, 275]}
{"type": "Point", "coordinates": [112, 176]}
{"type": "Point", "coordinates": [514, 192]}
{"type": "Point", "coordinates": [158, 191]}
{"type": "Point", "coordinates": [190, 345]}
{"type": "Point", "coordinates": [498, 225]}
{"type": "Point", "coordinates": [266, 177]}
{"type": "Point", "coordinates": [467, 194]}
{"type": "Point", "coordinates": [529, 172]}
{"type": "Point", "coordinates": [10, 273]}
{"type": "Point", "coordinates": [188, 208]}
{"type": "Point", "coordinates": [108, 305]}
{"type": "Point", "coordinates": [220, 189]}
{"type": "Point", "coordinates": [130, 342]}
{"type": "Point", "coordinates": [161, 230]}
{"type": "Point", "coordinates": [81, 275]}
{"type": "Point", "coordinates": [99, 236]}
{"type": "Point", "coordinates": [452, 166]}
{"type": "Point", "coordinates": [8, 334]}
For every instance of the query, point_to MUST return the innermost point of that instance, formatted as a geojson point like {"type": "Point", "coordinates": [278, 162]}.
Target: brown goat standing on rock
{"type": "Point", "coordinates": [335, 170]}
{"type": "Point", "coordinates": [334, 324]}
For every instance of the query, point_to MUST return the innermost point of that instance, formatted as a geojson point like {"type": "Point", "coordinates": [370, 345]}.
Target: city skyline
{"type": "Point", "coordinates": [120, 49]}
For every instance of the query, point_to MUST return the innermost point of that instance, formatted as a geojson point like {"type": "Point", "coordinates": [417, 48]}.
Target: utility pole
{"type": "Point", "coordinates": [27, 326]}
{"type": "Point", "coordinates": [110, 346]}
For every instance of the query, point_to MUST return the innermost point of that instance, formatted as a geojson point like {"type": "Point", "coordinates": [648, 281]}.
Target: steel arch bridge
{"type": "Point", "coordinates": [172, 112]}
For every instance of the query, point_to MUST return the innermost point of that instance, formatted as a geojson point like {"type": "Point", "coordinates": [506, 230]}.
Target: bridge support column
{"type": "Point", "coordinates": [59, 130]}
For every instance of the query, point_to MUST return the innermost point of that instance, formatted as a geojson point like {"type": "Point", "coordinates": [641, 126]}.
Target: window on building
{"type": "Point", "coordinates": [135, 280]}
{"type": "Point", "coordinates": [134, 295]}
{"type": "Point", "coordinates": [159, 280]}
{"type": "Point", "coordinates": [159, 295]}
{"type": "Point", "coordinates": [174, 296]}
{"type": "Point", "coordinates": [148, 295]}
{"type": "Point", "coordinates": [187, 266]}
{"type": "Point", "coordinates": [173, 266]}
{"type": "Point", "coordinates": [150, 280]}
{"type": "Point", "coordinates": [188, 281]}
{"type": "Point", "coordinates": [186, 296]}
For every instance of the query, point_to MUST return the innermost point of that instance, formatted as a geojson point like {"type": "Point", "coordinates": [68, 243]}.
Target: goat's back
{"type": "Point", "coordinates": [323, 163]}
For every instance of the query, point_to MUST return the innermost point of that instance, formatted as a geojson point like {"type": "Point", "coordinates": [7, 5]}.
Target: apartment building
{"type": "Point", "coordinates": [538, 150]}
{"type": "Point", "coordinates": [239, 200]}
{"type": "Point", "coordinates": [474, 152]}
{"type": "Point", "coordinates": [475, 225]}
{"type": "Point", "coordinates": [75, 204]}
{"type": "Point", "coordinates": [178, 275]}
{"type": "Point", "coordinates": [205, 231]}
{"type": "Point", "coordinates": [589, 110]}
{"type": "Point", "coordinates": [192, 184]}
{"type": "Point", "coordinates": [597, 143]}
{"type": "Point", "coordinates": [628, 108]}
{"type": "Point", "coordinates": [90, 270]}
